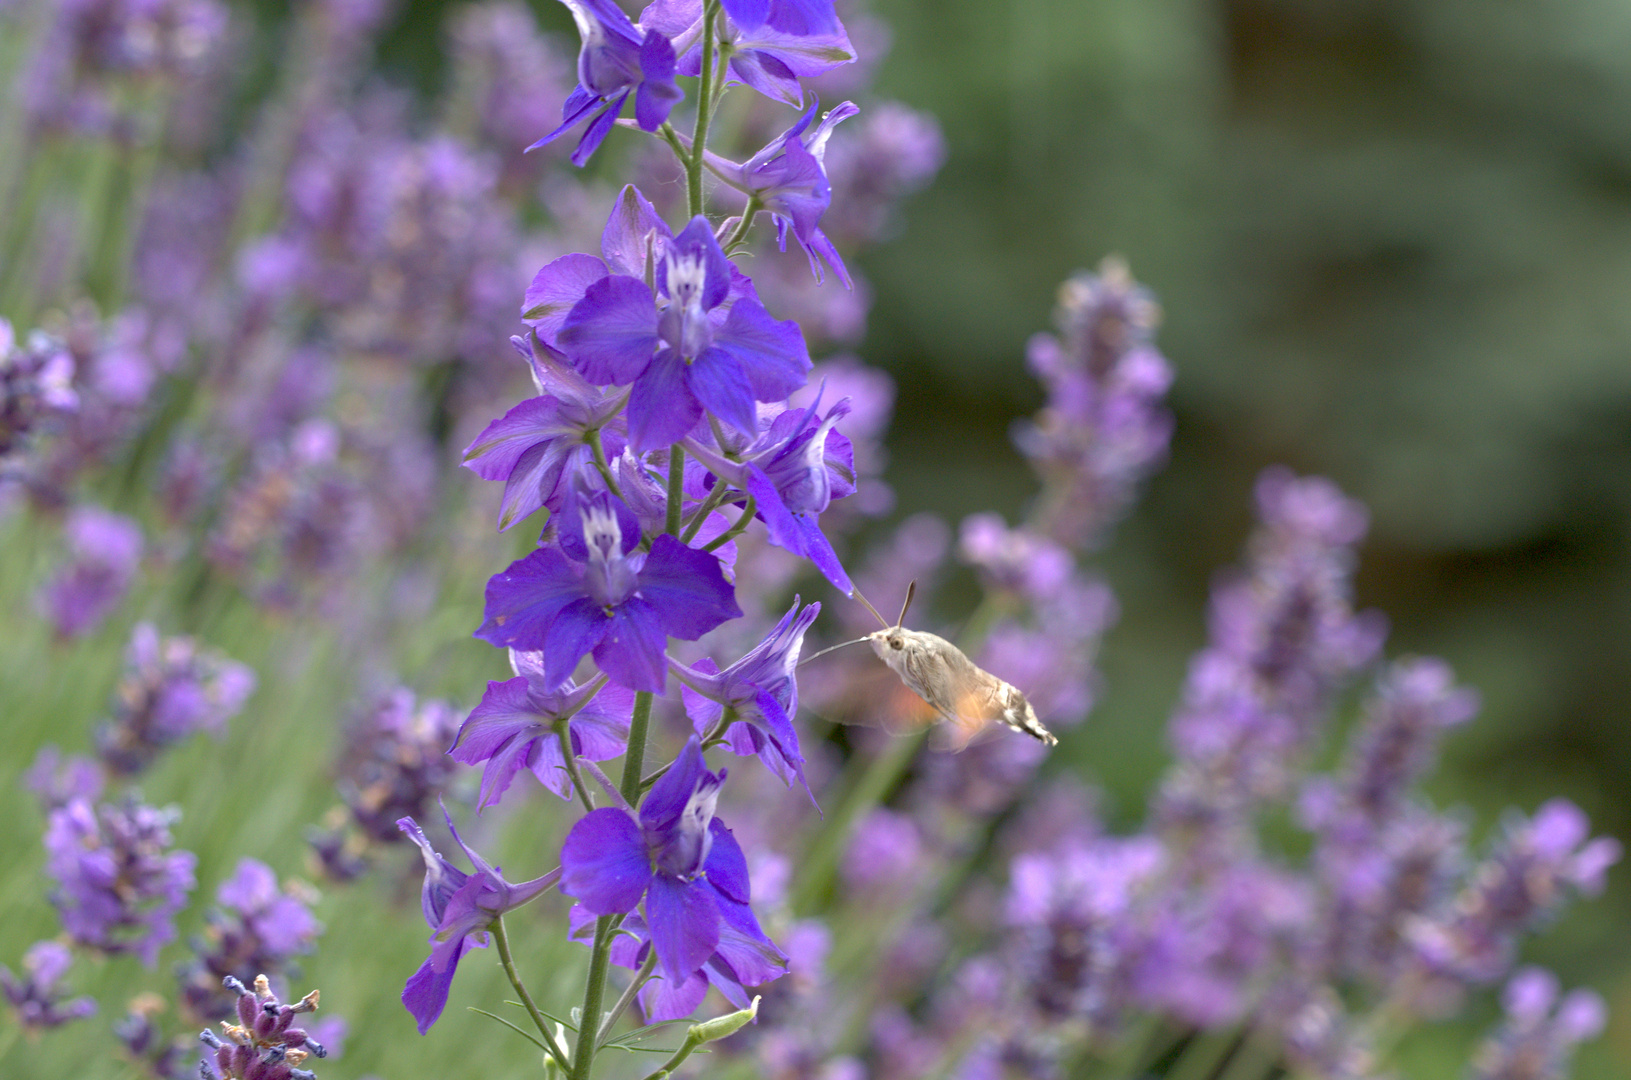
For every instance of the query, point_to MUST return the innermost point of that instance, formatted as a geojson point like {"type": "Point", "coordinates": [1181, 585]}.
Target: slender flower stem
{"type": "Point", "coordinates": [705, 105]}
{"type": "Point", "coordinates": [635, 759]}
{"type": "Point", "coordinates": [676, 489]}
{"type": "Point", "coordinates": [709, 505]}
{"type": "Point", "coordinates": [589, 1021]}
{"type": "Point", "coordinates": [635, 984]}
{"type": "Point", "coordinates": [691, 1043]}
{"type": "Point", "coordinates": [739, 235]}
{"type": "Point", "coordinates": [599, 452]}
{"type": "Point", "coordinates": [672, 138]}
{"type": "Point", "coordinates": [571, 759]}
{"type": "Point", "coordinates": [748, 510]}
{"type": "Point", "coordinates": [504, 958]}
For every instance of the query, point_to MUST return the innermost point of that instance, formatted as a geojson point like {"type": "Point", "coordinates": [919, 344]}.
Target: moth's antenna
{"type": "Point", "coordinates": [910, 589]}
{"type": "Point", "coordinates": [829, 649]}
{"type": "Point", "coordinates": [868, 605]}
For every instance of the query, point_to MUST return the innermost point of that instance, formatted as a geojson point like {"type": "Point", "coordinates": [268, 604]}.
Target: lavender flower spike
{"type": "Point", "coordinates": [617, 59]}
{"type": "Point", "coordinates": [263, 1045]}
{"type": "Point", "coordinates": [459, 907]}
{"type": "Point", "coordinates": [757, 697]}
{"type": "Point", "coordinates": [105, 551]}
{"type": "Point", "coordinates": [598, 593]}
{"type": "Point", "coordinates": [689, 353]}
{"type": "Point", "coordinates": [258, 928]}
{"type": "Point", "coordinates": [788, 177]}
{"type": "Point", "coordinates": [676, 856]}
{"type": "Point", "coordinates": [1535, 1043]}
{"type": "Point", "coordinates": [38, 1002]}
{"type": "Point", "coordinates": [514, 728]}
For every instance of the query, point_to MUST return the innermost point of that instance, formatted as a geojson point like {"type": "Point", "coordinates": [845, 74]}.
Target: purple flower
{"type": "Point", "coordinates": [789, 179]}
{"type": "Point", "coordinates": [536, 447]}
{"type": "Point", "coordinates": [264, 1044]}
{"type": "Point", "coordinates": [793, 470]}
{"type": "Point", "coordinates": [798, 17]}
{"type": "Point", "coordinates": [36, 385]}
{"type": "Point", "coordinates": [597, 593]}
{"type": "Point", "coordinates": [676, 856]}
{"type": "Point", "coordinates": [689, 354]}
{"type": "Point", "coordinates": [170, 689]}
{"type": "Point", "coordinates": [459, 908]}
{"type": "Point", "coordinates": [395, 761]}
{"type": "Point", "coordinates": [118, 883]}
{"type": "Point", "coordinates": [755, 698]}
{"type": "Point", "coordinates": [104, 551]}
{"type": "Point", "coordinates": [1534, 1043]}
{"type": "Point", "coordinates": [257, 928]}
{"type": "Point", "coordinates": [617, 59]}
{"type": "Point", "coordinates": [35, 996]}
{"type": "Point", "coordinates": [744, 958]}
{"type": "Point", "coordinates": [885, 856]}
{"type": "Point", "coordinates": [514, 728]}
{"type": "Point", "coordinates": [56, 782]}
{"type": "Point", "coordinates": [770, 60]}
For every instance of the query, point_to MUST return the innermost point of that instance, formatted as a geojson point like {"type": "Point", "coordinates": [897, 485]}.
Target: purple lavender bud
{"type": "Point", "coordinates": [118, 883]}
{"type": "Point", "coordinates": [263, 1046]}
{"type": "Point", "coordinates": [36, 387]}
{"type": "Point", "coordinates": [395, 761]}
{"type": "Point", "coordinates": [1014, 560]}
{"type": "Point", "coordinates": [1533, 1043]}
{"type": "Point", "coordinates": [1415, 702]}
{"type": "Point", "coordinates": [258, 928]}
{"type": "Point", "coordinates": [104, 550]}
{"type": "Point", "coordinates": [1104, 428]}
{"type": "Point", "coordinates": [36, 997]}
{"type": "Point", "coordinates": [170, 689]}
{"type": "Point", "coordinates": [56, 782]}
{"type": "Point", "coordinates": [1531, 871]}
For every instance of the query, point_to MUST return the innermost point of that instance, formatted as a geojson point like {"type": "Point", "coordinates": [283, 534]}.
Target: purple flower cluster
{"type": "Point", "coordinates": [120, 883]}
{"type": "Point", "coordinates": [39, 1001]}
{"type": "Point", "coordinates": [257, 927]}
{"type": "Point", "coordinates": [171, 688]}
{"type": "Point", "coordinates": [263, 1044]}
{"type": "Point", "coordinates": [36, 388]}
{"type": "Point", "coordinates": [104, 552]}
{"type": "Point", "coordinates": [1540, 1032]}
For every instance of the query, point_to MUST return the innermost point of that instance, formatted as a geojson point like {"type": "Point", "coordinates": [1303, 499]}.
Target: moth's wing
{"type": "Point", "coordinates": [974, 709]}
{"type": "Point", "coordinates": [879, 699]}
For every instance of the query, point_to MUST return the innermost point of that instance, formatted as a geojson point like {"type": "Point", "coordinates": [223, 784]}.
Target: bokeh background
{"type": "Point", "coordinates": [1392, 242]}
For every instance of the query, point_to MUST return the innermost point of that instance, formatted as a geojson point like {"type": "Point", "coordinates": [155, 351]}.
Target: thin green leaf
{"type": "Point", "coordinates": [527, 1035]}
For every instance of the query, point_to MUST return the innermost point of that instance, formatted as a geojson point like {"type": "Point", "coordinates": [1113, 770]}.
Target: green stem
{"type": "Point", "coordinates": [740, 233]}
{"type": "Point", "coordinates": [562, 732]}
{"type": "Point", "coordinates": [502, 940]}
{"type": "Point", "coordinates": [599, 453]}
{"type": "Point", "coordinates": [749, 508]}
{"type": "Point", "coordinates": [705, 107]}
{"type": "Point", "coordinates": [700, 515]}
{"type": "Point", "coordinates": [635, 984]}
{"type": "Point", "coordinates": [676, 489]}
{"type": "Point", "coordinates": [1255, 1059]}
{"type": "Point", "coordinates": [635, 759]}
{"type": "Point", "coordinates": [589, 1021]}
{"type": "Point", "coordinates": [1205, 1054]}
{"type": "Point", "coordinates": [691, 1043]}
{"type": "Point", "coordinates": [672, 138]}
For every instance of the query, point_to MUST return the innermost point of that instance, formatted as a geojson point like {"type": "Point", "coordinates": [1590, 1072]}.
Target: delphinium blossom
{"type": "Point", "coordinates": [104, 552]}
{"type": "Point", "coordinates": [119, 881]}
{"type": "Point", "coordinates": [257, 927]}
{"type": "Point", "coordinates": [171, 688]}
{"type": "Point", "coordinates": [36, 996]}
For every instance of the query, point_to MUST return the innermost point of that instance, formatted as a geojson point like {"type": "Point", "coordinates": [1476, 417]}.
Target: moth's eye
{"type": "Point", "coordinates": [895, 643]}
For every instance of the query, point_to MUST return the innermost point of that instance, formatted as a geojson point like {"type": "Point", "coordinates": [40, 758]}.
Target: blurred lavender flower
{"type": "Point", "coordinates": [39, 1002]}
{"type": "Point", "coordinates": [104, 551]}
{"type": "Point", "coordinates": [256, 927]}
{"type": "Point", "coordinates": [56, 782]}
{"type": "Point", "coordinates": [170, 689]}
{"type": "Point", "coordinates": [119, 884]}
{"type": "Point", "coordinates": [263, 1045]}
{"type": "Point", "coordinates": [36, 386]}
{"type": "Point", "coordinates": [395, 761]}
{"type": "Point", "coordinates": [1535, 1042]}
{"type": "Point", "coordinates": [1103, 430]}
{"type": "Point", "coordinates": [510, 81]}
{"type": "Point", "coordinates": [891, 152]}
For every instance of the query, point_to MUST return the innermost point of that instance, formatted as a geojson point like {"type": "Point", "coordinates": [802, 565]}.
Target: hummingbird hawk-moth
{"type": "Point", "coordinates": [963, 694]}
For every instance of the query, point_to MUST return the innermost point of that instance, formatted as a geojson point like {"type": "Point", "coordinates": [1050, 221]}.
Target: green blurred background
{"type": "Point", "coordinates": [1392, 239]}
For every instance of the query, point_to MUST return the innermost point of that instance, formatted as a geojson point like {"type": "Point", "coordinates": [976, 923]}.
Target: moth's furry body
{"type": "Point", "coordinates": [965, 695]}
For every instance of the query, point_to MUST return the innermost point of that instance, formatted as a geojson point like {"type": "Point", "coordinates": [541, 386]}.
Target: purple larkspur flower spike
{"type": "Point", "coordinates": [597, 593]}
{"type": "Point", "coordinates": [760, 693]}
{"type": "Point", "coordinates": [514, 728]}
{"type": "Point", "coordinates": [684, 349]}
{"type": "Point", "coordinates": [676, 856]}
{"type": "Point", "coordinates": [793, 471]}
{"type": "Point", "coordinates": [617, 59]}
{"type": "Point", "coordinates": [459, 908]}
